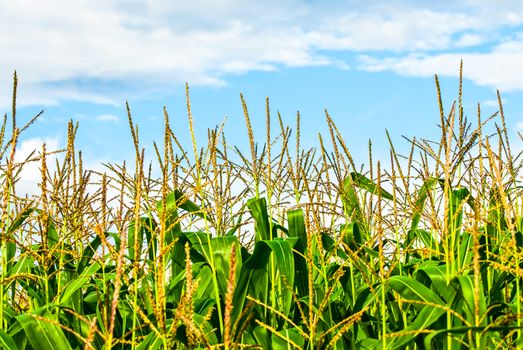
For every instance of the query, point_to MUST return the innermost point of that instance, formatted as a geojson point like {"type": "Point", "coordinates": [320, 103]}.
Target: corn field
{"type": "Point", "coordinates": [273, 247]}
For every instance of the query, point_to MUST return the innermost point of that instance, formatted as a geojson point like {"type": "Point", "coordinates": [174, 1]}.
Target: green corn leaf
{"type": "Point", "coordinates": [466, 250]}
{"type": "Point", "coordinates": [151, 342]}
{"type": "Point", "coordinates": [369, 344]}
{"type": "Point", "coordinates": [365, 296]}
{"type": "Point", "coordinates": [173, 202]}
{"type": "Point", "coordinates": [203, 324]}
{"type": "Point", "coordinates": [7, 342]}
{"type": "Point", "coordinates": [10, 254]}
{"type": "Point", "coordinates": [205, 287]}
{"type": "Point", "coordinates": [297, 229]}
{"type": "Point", "coordinates": [23, 265]}
{"type": "Point", "coordinates": [232, 231]}
{"type": "Point", "coordinates": [330, 246]}
{"type": "Point", "coordinates": [423, 192]}
{"type": "Point", "coordinates": [457, 198]}
{"type": "Point", "coordinates": [519, 239]}
{"type": "Point", "coordinates": [284, 262]}
{"type": "Point", "coordinates": [501, 281]}
{"type": "Point", "coordinates": [425, 318]}
{"type": "Point", "coordinates": [204, 306]}
{"type": "Point", "coordinates": [437, 277]}
{"type": "Point", "coordinates": [10, 244]}
{"type": "Point", "coordinates": [186, 204]}
{"type": "Point", "coordinates": [176, 283]}
{"type": "Point", "coordinates": [258, 208]}
{"type": "Point", "coordinates": [29, 287]}
{"type": "Point", "coordinates": [428, 341]}
{"type": "Point", "coordinates": [370, 186]}
{"type": "Point", "coordinates": [88, 253]}
{"type": "Point", "coordinates": [217, 253]}
{"type": "Point", "coordinates": [43, 335]}
{"type": "Point", "coordinates": [177, 254]}
{"type": "Point", "coordinates": [254, 279]}
{"type": "Point", "coordinates": [465, 299]}
{"type": "Point", "coordinates": [52, 235]}
{"type": "Point", "coordinates": [138, 233]}
{"type": "Point", "coordinates": [134, 240]}
{"type": "Point", "coordinates": [20, 220]}
{"type": "Point", "coordinates": [177, 199]}
{"type": "Point", "coordinates": [262, 337]}
{"type": "Point", "coordinates": [410, 289]}
{"type": "Point", "coordinates": [78, 283]}
{"type": "Point", "coordinates": [422, 236]}
{"type": "Point", "coordinates": [352, 235]}
{"type": "Point", "coordinates": [278, 341]}
{"type": "Point", "coordinates": [351, 203]}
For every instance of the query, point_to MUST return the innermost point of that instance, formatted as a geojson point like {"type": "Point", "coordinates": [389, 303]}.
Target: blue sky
{"type": "Point", "coordinates": [371, 66]}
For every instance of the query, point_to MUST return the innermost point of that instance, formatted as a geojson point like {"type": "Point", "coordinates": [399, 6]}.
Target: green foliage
{"type": "Point", "coordinates": [273, 252]}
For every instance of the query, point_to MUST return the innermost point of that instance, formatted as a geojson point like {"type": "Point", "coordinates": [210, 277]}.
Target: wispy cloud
{"type": "Point", "coordinates": [468, 40]}
{"type": "Point", "coordinates": [108, 118]}
{"type": "Point", "coordinates": [502, 67]}
{"type": "Point", "coordinates": [28, 152]}
{"type": "Point", "coordinates": [70, 50]}
{"type": "Point", "coordinates": [493, 103]}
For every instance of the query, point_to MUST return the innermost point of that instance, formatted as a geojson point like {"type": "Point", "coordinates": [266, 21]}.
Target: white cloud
{"type": "Point", "coordinates": [392, 28]}
{"type": "Point", "coordinates": [468, 39]}
{"type": "Point", "coordinates": [500, 68]}
{"type": "Point", "coordinates": [108, 118]}
{"type": "Point", "coordinates": [493, 103]}
{"type": "Point", "coordinates": [106, 51]}
{"type": "Point", "coordinates": [31, 147]}
{"type": "Point", "coordinates": [28, 151]}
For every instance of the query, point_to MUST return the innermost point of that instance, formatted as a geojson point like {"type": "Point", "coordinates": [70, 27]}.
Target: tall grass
{"type": "Point", "coordinates": [276, 247]}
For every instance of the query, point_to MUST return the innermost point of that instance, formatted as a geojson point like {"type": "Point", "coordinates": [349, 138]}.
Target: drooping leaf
{"type": "Point", "coordinates": [351, 205]}
{"type": "Point", "coordinates": [7, 342]}
{"type": "Point", "coordinates": [370, 186]}
{"type": "Point", "coordinates": [425, 318]}
{"type": "Point", "coordinates": [438, 279]}
{"type": "Point", "coordinates": [352, 235]}
{"type": "Point", "coordinates": [262, 337]}
{"type": "Point", "coordinates": [88, 253]}
{"type": "Point", "coordinates": [10, 244]}
{"type": "Point", "coordinates": [79, 282]}
{"type": "Point", "coordinates": [42, 334]}
{"type": "Point", "coordinates": [217, 253]}
{"type": "Point", "coordinates": [138, 232]}
{"type": "Point", "coordinates": [258, 208]}
{"type": "Point", "coordinates": [467, 329]}
{"type": "Point", "coordinates": [465, 297]}
{"type": "Point", "coordinates": [419, 204]}
{"type": "Point", "coordinates": [278, 341]}
{"type": "Point", "coordinates": [424, 237]}
{"type": "Point", "coordinates": [410, 289]}
{"type": "Point", "coordinates": [20, 220]}
{"type": "Point", "coordinates": [254, 279]}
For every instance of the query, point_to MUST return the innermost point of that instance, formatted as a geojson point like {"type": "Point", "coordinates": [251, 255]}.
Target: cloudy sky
{"type": "Point", "coordinates": [372, 66]}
